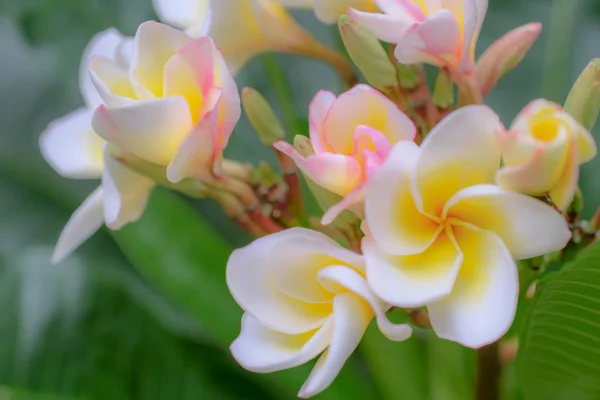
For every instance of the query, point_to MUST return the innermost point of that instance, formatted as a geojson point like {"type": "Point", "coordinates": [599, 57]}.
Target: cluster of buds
{"type": "Point", "coordinates": [428, 201]}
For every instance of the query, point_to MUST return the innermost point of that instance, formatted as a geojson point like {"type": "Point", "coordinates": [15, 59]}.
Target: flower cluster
{"type": "Point", "coordinates": [442, 200]}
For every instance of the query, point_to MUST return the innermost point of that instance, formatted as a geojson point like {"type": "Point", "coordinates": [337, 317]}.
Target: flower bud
{"type": "Point", "coordinates": [504, 55]}
{"type": "Point", "coordinates": [542, 153]}
{"type": "Point", "coordinates": [368, 54]}
{"type": "Point", "coordinates": [443, 93]}
{"type": "Point", "coordinates": [261, 116]}
{"type": "Point", "coordinates": [583, 102]}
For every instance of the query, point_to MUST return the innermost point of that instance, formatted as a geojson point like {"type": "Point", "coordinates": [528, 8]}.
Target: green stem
{"type": "Point", "coordinates": [559, 49]}
{"type": "Point", "coordinates": [283, 91]}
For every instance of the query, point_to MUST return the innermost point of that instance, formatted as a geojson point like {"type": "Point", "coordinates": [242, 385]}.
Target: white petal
{"type": "Point", "coordinates": [482, 305]}
{"type": "Point", "coordinates": [413, 281]}
{"type": "Point", "coordinates": [126, 193]}
{"type": "Point", "coordinates": [302, 257]}
{"type": "Point", "coordinates": [105, 44]}
{"type": "Point", "coordinates": [260, 349]}
{"type": "Point", "coordinates": [317, 113]}
{"type": "Point", "coordinates": [111, 82]}
{"type": "Point", "coordinates": [71, 147]}
{"type": "Point", "coordinates": [394, 221]}
{"type": "Point", "coordinates": [528, 227]}
{"type": "Point", "coordinates": [341, 279]}
{"type": "Point", "coordinates": [459, 152]}
{"type": "Point", "coordinates": [252, 276]}
{"type": "Point", "coordinates": [154, 45]}
{"type": "Point", "coordinates": [350, 320]}
{"type": "Point", "coordinates": [389, 28]}
{"type": "Point", "coordinates": [184, 14]}
{"type": "Point", "coordinates": [151, 130]}
{"type": "Point", "coordinates": [84, 222]}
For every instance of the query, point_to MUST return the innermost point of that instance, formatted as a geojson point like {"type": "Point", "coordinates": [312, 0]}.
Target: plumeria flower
{"type": "Point", "coordinates": [542, 153]}
{"type": "Point", "coordinates": [351, 136]}
{"type": "Point", "coordinates": [244, 29]}
{"type": "Point", "coordinates": [175, 106]}
{"type": "Point", "coordinates": [438, 32]}
{"type": "Point", "coordinates": [74, 150]}
{"type": "Point", "coordinates": [441, 234]}
{"type": "Point", "coordinates": [303, 295]}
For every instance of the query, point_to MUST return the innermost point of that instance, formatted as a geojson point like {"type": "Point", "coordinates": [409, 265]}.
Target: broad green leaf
{"type": "Point", "coordinates": [396, 367]}
{"type": "Point", "coordinates": [451, 369]}
{"type": "Point", "coordinates": [559, 353]}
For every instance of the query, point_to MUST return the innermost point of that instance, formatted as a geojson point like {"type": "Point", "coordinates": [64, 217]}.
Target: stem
{"type": "Point", "coordinates": [293, 199]}
{"type": "Point", "coordinates": [335, 59]}
{"type": "Point", "coordinates": [469, 93]}
{"type": "Point", "coordinates": [282, 89]}
{"type": "Point", "coordinates": [488, 373]}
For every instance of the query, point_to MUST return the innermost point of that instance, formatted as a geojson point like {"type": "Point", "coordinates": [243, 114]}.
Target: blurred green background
{"type": "Point", "coordinates": [144, 313]}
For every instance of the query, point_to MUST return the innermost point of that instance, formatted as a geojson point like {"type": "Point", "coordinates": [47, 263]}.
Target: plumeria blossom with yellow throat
{"type": "Point", "coordinates": [74, 149]}
{"type": "Point", "coordinates": [351, 136]}
{"type": "Point", "coordinates": [303, 294]}
{"type": "Point", "coordinates": [441, 234]}
{"type": "Point", "coordinates": [542, 152]}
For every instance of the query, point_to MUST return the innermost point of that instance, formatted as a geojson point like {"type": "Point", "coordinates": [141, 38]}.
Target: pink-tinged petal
{"type": "Point", "coordinates": [353, 201]}
{"type": "Point", "coordinates": [311, 252]}
{"type": "Point", "coordinates": [474, 14]}
{"type": "Point", "coordinates": [371, 140]}
{"type": "Point", "coordinates": [84, 222]}
{"type": "Point", "coordinates": [198, 152]}
{"type": "Point", "coordinates": [416, 280]}
{"type": "Point", "coordinates": [71, 147]}
{"type": "Point", "coordinates": [154, 45]}
{"type": "Point", "coordinates": [335, 172]}
{"type": "Point", "coordinates": [394, 220]}
{"type": "Point", "coordinates": [250, 275]}
{"type": "Point", "coordinates": [563, 193]}
{"type": "Point", "coordinates": [111, 82]}
{"type": "Point", "coordinates": [540, 165]}
{"type": "Point", "coordinates": [528, 227]}
{"type": "Point", "coordinates": [185, 14]}
{"type": "Point", "coordinates": [351, 316]}
{"type": "Point", "coordinates": [437, 41]}
{"type": "Point", "coordinates": [340, 279]}
{"type": "Point", "coordinates": [260, 349]}
{"type": "Point", "coordinates": [483, 302]}
{"type": "Point", "coordinates": [317, 112]}
{"type": "Point", "coordinates": [126, 193]}
{"type": "Point", "coordinates": [459, 152]}
{"type": "Point", "coordinates": [106, 44]}
{"type": "Point", "coordinates": [403, 8]}
{"type": "Point", "coordinates": [363, 105]}
{"type": "Point", "coordinates": [230, 109]}
{"type": "Point", "coordinates": [151, 130]}
{"type": "Point", "coordinates": [389, 28]}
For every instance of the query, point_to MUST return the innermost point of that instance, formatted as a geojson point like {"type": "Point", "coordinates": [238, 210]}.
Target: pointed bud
{"type": "Point", "coordinates": [408, 75]}
{"type": "Point", "coordinates": [504, 55]}
{"type": "Point", "coordinates": [368, 54]}
{"type": "Point", "coordinates": [262, 117]}
{"type": "Point", "coordinates": [443, 94]}
{"type": "Point", "coordinates": [583, 102]}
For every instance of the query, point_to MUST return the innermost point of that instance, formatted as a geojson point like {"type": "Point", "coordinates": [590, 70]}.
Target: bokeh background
{"type": "Point", "coordinates": [144, 313]}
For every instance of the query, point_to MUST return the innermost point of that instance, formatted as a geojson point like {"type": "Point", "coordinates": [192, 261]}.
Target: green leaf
{"type": "Point", "coordinates": [396, 367]}
{"type": "Point", "coordinates": [560, 344]}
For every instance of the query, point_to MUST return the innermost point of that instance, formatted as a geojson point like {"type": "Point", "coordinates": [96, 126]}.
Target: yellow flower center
{"type": "Point", "coordinates": [545, 129]}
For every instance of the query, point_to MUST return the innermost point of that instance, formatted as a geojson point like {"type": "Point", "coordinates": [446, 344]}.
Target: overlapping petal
{"type": "Point", "coordinates": [483, 302]}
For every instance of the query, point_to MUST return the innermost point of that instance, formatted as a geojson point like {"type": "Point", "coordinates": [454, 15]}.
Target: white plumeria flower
{"type": "Point", "coordinates": [175, 106]}
{"type": "Point", "coordinates": [441, 234]}
{"type": "Point", "coordinates": [542, 153]}
{"type": "Point", "coordinates": [303, 294]}
{"type": "Point", "coordinates": [439, 32]}
{"type": "Point", "coordinates": [244, 29]}
{"type": "Point", "coordinates": [74, 150]}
